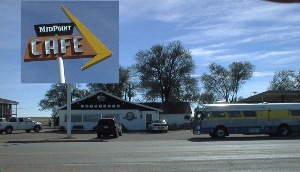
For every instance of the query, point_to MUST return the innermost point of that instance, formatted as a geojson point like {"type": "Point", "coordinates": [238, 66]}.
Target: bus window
{"type": "Point", "coordinates": [249, 113]}
{"type": "Point", "coordinates": [295, 112]}
{"type": "Point", "coordinates": [217, 114]}
{"type": "Point", "coordinates": [233, 114]}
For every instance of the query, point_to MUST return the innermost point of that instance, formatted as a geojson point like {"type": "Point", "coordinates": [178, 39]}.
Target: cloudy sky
{"type": "Point", "coordinates": [222, 31]}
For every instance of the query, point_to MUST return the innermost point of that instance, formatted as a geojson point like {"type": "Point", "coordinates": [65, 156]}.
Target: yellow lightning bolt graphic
{"type": "Point", "coordinates": [102, 52]}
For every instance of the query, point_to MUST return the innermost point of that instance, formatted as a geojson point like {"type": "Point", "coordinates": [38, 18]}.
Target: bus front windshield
{"type": "Point", "coordinates": [201, 115]}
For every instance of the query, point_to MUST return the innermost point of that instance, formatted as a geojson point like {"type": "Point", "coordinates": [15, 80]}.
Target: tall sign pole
{"type": "Point", "coordinates": [61, 70]}
{"type": "Point", "coordinates": [69, 116]}
{"type": "Point", "coordinates": [62, 80]}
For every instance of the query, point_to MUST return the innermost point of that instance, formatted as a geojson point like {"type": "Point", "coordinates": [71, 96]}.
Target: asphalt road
{"type": "Point", "coordinates": [173, 151]}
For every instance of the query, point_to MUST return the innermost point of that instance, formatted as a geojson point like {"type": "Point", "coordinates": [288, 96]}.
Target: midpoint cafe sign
{"type": "Point", "coordinates": [57, 40]}
{"type": "Point", "coordinates": [54, 29]}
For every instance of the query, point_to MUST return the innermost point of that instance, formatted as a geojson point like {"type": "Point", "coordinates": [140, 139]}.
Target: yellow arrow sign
{"type": "Point", "coordinates": [102, 52]}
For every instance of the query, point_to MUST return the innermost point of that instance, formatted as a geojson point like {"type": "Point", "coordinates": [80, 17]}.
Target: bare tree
{"type": "Point", "coordinates": [56, 97]}
{"type": "Point", "coordinates": [217, 82]}
{"type": "Point", "coordinates": [285, 80]}
{"type": "Point", "coordinates": [123, 89]}
{"type": "Point", "coordinates": [165, 73]}
{"type": "Point", "coordinates": [240, 72]}
{"type": "Point", "coordinates": [225, 84]}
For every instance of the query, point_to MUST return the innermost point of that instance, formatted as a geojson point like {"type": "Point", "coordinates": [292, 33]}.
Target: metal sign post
{"type": "Point", "coordinates": [61, 70]}
{"type": "Point", "coordinates": [62, 80]}
{"type": "Point", "coordinates": [69, 129]}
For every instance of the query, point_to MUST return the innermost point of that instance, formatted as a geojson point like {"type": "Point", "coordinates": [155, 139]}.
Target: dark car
{"type": "Point", "coordinates": [109, 126]}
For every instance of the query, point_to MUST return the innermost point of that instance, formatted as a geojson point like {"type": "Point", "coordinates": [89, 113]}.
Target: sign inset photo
{"type": "Point", "coordinates": [70, 42]}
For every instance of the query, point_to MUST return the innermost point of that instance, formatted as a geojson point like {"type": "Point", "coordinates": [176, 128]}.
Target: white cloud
{"type": "Point", "coordinates": [202, 51]}
{"type": "Point", "coordinates": [274, 54]}
{"type": "Point", "coordinates": [166, 11]}
{"type": "Point", "coordinates": [263, 73]}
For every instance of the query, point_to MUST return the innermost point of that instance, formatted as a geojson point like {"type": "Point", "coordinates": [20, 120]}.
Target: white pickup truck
{"type": "Point", "coordinates": [19, 124]}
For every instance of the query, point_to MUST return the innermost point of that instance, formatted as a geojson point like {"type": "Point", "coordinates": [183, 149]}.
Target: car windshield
{"type": "Point", "coordinates": [106, 122]}
{"type": "Point", "coordinates": [28, 120]}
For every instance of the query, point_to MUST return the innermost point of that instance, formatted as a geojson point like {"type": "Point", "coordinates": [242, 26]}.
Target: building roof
{"type": "Point", "coordinates": [5, 101]}
{"type": "Point", "coordinates": [105, 101]}
{"type": "Point", "coordinates": [172, 107]}
{"type": "Point", "coordinates": [274, 96]}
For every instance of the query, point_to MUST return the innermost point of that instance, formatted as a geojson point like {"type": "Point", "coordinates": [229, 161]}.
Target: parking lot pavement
{"type": "Point", "coordinates": [52, 135]}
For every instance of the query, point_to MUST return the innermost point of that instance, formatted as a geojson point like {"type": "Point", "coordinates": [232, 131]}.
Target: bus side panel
{"type": "Point", "coordinates": [237, 126]}
{"type": "Point", "coordinates": [272, 119]}
{"type": "Point", "coordinates": [205, 127]}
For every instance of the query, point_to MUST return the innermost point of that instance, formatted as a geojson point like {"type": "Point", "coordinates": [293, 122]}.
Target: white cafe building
{"type": "Point", "coordinates": [86, 112]}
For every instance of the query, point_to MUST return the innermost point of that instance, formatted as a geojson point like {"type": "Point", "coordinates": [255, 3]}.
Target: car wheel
{"type": "Point", "coordinates": [36, 129]}
{"type": "Point", "coordinates": [220, 132]}
{"type": "Point", "coordinates": [27, 131]}
{"type": "Point", "coordinates": [8, 130]}
{"type": "Point", "coordinates": [99, 135]}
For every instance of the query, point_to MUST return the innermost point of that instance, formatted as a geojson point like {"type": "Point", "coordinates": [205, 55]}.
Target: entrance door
{"type": "Point", "coordinates": [148, 120]}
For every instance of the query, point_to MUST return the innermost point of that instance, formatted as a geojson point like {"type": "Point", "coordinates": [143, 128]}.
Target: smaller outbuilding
{"type": "Point", "coordinates": [177, 114]}
{"type": "Point", "coordinates": [86, 112]}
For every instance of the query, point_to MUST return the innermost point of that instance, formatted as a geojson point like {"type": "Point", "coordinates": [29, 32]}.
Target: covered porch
{"type": "Point", "coordinates": [8, 108]}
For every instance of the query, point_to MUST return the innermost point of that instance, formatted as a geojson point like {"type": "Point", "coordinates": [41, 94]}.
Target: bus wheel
{"type": "Point", "coordinates": [220, 132]}
{"type": "Point", "coordinates": [283, 130]}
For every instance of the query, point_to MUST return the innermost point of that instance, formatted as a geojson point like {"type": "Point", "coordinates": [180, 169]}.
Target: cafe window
{"type": "Point", "coordinates": [91, 118]}
{"type": "Point", "coordinates": [76, 118]}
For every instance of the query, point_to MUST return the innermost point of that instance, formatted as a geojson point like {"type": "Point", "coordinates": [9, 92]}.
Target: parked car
{"type": "Point", "coordinates": [19, 124]}
{"type": "Point", "coordinates": [159, 125]}
{"type": "Point", "coordinates": [109, 126]}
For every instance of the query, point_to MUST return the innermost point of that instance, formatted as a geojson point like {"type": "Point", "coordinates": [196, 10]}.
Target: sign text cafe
{"type": "Point", "coordinates": [57, 40]}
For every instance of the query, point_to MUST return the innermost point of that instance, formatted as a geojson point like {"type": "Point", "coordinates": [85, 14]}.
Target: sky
{"type": "Point", "coordinates": [264, 33]}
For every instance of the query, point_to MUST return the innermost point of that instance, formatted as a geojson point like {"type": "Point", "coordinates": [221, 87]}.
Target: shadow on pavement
{"type": "Point", "coordinates": [244, 138]}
